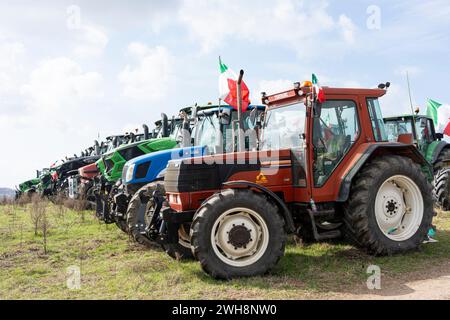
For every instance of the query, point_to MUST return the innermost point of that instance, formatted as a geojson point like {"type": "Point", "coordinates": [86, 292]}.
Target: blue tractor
{"type": "Point", "coordinates": [211, 130]}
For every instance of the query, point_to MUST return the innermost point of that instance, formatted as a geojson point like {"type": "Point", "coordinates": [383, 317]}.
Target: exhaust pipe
{"type": "Point", "coordinates": [165, 125]}
{"type": "Point", "coordinates": [115, 142]}
{"type": "Point", "coordinates": [97, 148]}
{"type": "Point", "coordinates": [146, 134]}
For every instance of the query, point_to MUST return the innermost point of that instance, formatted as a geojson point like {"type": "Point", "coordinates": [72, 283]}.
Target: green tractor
{"type": "Point", "coordinates": [110, 165]}
{"type": "Point", "coordinates": [27, 188]}
{"type": "Point", "coordinates": [431, 145]}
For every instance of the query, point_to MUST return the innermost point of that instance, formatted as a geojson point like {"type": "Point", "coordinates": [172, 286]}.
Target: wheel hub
{"type": "Point", "coordinates": [392, 207]}
{"type": "Point", "coordinates": [239, 236]}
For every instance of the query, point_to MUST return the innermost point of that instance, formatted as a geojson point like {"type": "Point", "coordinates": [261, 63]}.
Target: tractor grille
{"type": "Point", "coordinates": [131, 153]}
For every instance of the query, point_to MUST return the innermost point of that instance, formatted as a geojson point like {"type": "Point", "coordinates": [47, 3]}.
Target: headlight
{"type": "Point", "coordinates": [130, 172]}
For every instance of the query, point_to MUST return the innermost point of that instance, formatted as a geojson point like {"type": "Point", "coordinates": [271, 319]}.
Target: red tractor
{"type": "Point", "coordinates": [323, 170]}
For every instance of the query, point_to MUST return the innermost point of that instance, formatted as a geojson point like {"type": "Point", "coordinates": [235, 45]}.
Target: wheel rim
{"type": "Point", "coordinates": [399, 208]}
{"type": "Point", "coordinates": [240, 237]}
{"type": "Point", "coordinates": [183, 237]}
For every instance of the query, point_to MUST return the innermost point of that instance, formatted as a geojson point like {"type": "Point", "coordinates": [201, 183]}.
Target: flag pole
{"type": "Point", "coordinates": [409, 92]}
{"type": "Point", "coordinates": [410, 102]}
{"type": "Point", "coordinates": [241, 142]}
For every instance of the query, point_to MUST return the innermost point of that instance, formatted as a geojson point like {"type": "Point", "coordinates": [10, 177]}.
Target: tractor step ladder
{"type": "Point", "coordinates": [327, 235]}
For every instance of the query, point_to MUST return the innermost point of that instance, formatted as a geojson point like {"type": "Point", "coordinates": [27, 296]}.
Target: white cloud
{"type": "Point", "coordinates": [281, 22]}
{"type": "Point", "coordinates": [396, 101]}
{"type": "Point", "coordinates": [90, 41]}
{"type": "Point", "coordinates": [151, 74]}
{"type": "Point", "coordinates": [60, 83]}
{"type": "Point", "coordinates": [347, 29]}
{"type": "Point", "coordinates": [270, 87]}
{"type": "Point", "coordinates": [11, 59]}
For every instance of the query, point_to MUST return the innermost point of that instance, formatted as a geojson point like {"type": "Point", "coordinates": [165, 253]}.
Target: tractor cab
{"type": "Point", "coordinates": [421, 127]}
{"type": "Point", "coordinates": [322, 134]}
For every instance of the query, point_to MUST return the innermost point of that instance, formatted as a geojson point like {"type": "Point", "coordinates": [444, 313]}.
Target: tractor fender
{"type": "Point", "coordinates": [438, 149]}
{"type": "Point", "coordinates": [373, 151]}
{"type": "Point", "coordinates": [286, 213]}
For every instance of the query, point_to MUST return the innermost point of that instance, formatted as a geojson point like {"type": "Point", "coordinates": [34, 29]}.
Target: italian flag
{"type": "Point", "coordinates": [318, 90]}
{"type": "Point", "coordinates": [432, 111]}
{"type": "Point", "coordinates": [228, 88]}
{"type": "Point", "coordinates": [440, 115]}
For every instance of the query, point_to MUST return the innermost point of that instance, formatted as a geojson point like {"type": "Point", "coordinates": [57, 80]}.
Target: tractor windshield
{"type": "Point", "coordinates": [207, 131]}
{"type": "Point", "coordinates": [284, 128]}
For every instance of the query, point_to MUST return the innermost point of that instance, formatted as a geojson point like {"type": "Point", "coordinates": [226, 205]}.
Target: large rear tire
{"type": "Point", "coordinates": [390, 208]}
{"type": "Point", "coordinates": [237, 233]}
{"type": "Point", "coordinates": [441, 183]}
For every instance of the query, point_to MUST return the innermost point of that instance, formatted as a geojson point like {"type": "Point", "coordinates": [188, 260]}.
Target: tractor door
{"type": "Point", "coordinates": [336, 130]}
{"type": "Point", "coordinates": [425, 134]}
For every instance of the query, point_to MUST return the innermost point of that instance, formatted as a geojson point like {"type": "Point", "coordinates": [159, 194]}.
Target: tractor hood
{"type": "Point", "coordinates": [90, 171]}
{"type": "Point", "coordinates": [74, 164]}
{"type": "Point", "coordinates": [111, 164]}
{"type": "Point", "coordinates": [150, 167]}
{"type": "Point", "coordinates": [208, 173]}
{"type": "Point", "coordinates": [27, 185]}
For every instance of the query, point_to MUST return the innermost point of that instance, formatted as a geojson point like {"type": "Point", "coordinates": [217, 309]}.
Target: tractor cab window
{"type": "Point", "coordinates": [284, 128]}
{"type": "Point", "coordinates": [396, 127]}
{"type": "Point", "coordinates": [334, 133]}
{"type": "Point", "coordinates": [376, 117]}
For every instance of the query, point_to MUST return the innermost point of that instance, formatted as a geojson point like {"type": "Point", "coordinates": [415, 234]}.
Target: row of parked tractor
{"type": "Point", "coordinates": [227, 186]}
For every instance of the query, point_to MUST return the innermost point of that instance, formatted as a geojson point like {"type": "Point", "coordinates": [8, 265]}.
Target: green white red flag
{"type": "Point", "coordinates": [318, 90]}
{"type": "Point", "coordinates": [228, 88]}
{"type": "Point", "coordinates": [432, 111]}
{"type": "Point", "coordinates": [440, 114]}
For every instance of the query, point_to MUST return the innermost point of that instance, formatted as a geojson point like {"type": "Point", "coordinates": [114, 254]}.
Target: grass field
{"type": "Point", "coordinates": [112, 266]}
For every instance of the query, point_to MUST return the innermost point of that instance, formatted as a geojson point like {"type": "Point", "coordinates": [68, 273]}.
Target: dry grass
{"type": "Point", "coordinates": [114, 267]}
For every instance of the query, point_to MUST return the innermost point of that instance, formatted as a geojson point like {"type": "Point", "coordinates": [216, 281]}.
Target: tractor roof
{"type": "Point", "coordinates": [407, 116]}
{"type": "Point", "coordinates": [216, 107]}
{"type": "Point", "coordinates": [299, 92]}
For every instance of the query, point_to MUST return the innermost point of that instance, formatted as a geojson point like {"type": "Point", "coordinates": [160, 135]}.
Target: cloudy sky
{"type": "Point", "coordinates": [73, 70]}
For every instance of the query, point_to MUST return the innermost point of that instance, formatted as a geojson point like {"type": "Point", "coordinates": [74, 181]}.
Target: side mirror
{"type": "Point", "coordinates": [439, 136]}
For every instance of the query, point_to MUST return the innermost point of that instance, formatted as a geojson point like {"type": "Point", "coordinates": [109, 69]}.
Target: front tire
{"type": "Point", "coordinates": [390, 208]}
{"type": "Point", "coordinates": [140, 216]}
{"type": "Point", "coordinates": [237, 233]}
{"type": "Point", "coordinates": [139, 213]}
